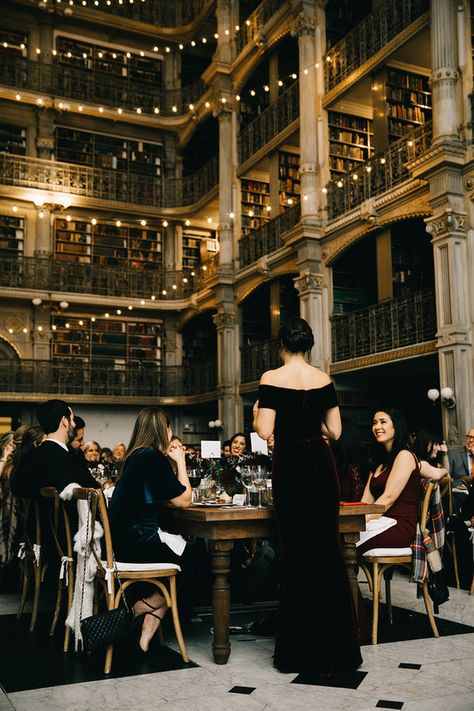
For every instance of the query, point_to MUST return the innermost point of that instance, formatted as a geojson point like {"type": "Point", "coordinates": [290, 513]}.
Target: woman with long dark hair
{"type": "Point", "coordinates": [316, 631]}
{"type": "Point", "coordinates": [394, 482]}
{"type": "Point", "coordinates": [147, 481]}
{"type": "Point", "coordinates": [352, 463]}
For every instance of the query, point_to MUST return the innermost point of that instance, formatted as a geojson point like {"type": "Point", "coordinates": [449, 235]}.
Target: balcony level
{"type": "Point", "coordinates": [268, 238]}
{"type": "Point", "coordinates": [145, 383]}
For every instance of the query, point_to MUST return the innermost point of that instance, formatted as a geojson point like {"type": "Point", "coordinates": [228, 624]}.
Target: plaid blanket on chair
{"type": "Point", "coordinates": [431, 538]}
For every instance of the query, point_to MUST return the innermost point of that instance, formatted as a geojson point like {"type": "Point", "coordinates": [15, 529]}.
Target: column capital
{"type": "Point", "coordinates": [304, 26]}
{"type": "Point", "coordinates": [225, 319]}
{"type": "Point", "coordinates": [306, 283]}
{"type": "Point", "coordinates": [446, 223]}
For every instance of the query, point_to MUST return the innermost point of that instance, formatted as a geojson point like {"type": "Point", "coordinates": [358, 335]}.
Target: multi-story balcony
{"type": "Point", "coordinates": [270, 123]}
{"type": "Point", "coordinates": [376, 32]}
{"type": "Point", "coordinates": [252, 27]}
{"type": "Point", "coordinates": [379, 174]}
{"type": "Point", "coordinates": [268, 238]}
{"type": "Point", "coordinates": [257, 358]}
{"type": "Point", "coordinates": [392, 324]}
{"type": "Point", "coordinates": [31, 378]}
{"type": "Point", "coordinates": [53, 275]}
{"type": "Point", "coordinates": [97, 87]}
{"type": "Point", "coordinates": [103, 184]}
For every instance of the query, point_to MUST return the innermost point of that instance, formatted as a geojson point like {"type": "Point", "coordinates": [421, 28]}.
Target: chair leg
{"type": "Point", "coordinates": [24, 590]}
{"type": "Point", "coordinates": [176, 622]}
{"type": "Point", "coordinates": [108, 659]}
{"type": "Point", "coordinates": [37, 572]}
{"type": "Point", "coordinates": [57, 608]}
{"type": "Point", "coordinates": [388, 574]}
{"type": "Point", "coordinates": [70, 594]}
{"type": "Point", "coordinates": [455, 562]}
{"type": "Point", "coordinates": [375, 606]}
{"type": "Point", "coordinates": [471, 591]}
{"type": "Point", "coordinates": [429, 609]}
{"type": "Point", "coordinates": [368, 576]}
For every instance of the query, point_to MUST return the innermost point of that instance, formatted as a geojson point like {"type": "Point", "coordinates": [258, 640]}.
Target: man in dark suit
{"type": "Point", "coordinates": [461, 464]}
{"type": "Point", "coordinates": [52, 464]}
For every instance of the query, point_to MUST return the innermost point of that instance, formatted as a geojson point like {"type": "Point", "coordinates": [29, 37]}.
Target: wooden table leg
{"type": "Point", "coordinates": [349, 552]}
{"type": "Point", "coordinates": [221, 599]}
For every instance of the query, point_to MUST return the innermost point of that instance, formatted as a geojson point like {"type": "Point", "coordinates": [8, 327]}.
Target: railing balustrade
{"type": "Point", "coordinates": [270, 122]}
{"type": "Point", "coordinates": [387, 21]}
{"type": "Point", "coordinates": [145, 379]}
{"type": "Point", "coordinates": [104, 184]}
{"type": "Point", "coordinates": [253, 25]}
{"type": "Point", "coordinates": [379, 174]}
{"type": "Point", "coordinates": [99, 87]}
{"type": "Point", "coordinates": [258, 357]}
{"type": "Point", "coordinates": [391, 324]}
{"type": "Point", "coordinates": [51, 274]}
{"type": "Point", "coordinates": [267, 238]}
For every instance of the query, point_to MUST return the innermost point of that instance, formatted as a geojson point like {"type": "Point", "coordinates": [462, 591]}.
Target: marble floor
{"type": "Point", "coordinates": [422, 674]}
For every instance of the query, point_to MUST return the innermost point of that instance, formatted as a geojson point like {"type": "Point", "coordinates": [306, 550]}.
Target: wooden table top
{"type": "Point", "coordinates": [213, 514]}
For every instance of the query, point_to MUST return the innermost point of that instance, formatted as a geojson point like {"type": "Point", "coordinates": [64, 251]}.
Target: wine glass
{"type": "Point", "coordinates": [195, 476]}
{"type": "Point", "coordinates": [247, 477]}
{"type": "Point", "coordinates": [260, 482]}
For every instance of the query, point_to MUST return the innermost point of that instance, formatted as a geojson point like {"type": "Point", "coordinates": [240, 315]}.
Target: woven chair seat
{"type": "Point", "coordinates": [142, 567]}
{"type": "Point", "coordinates": [386, 552]}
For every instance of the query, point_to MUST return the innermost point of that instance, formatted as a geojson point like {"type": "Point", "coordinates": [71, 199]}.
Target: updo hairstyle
{"type": "Point", "coordinates": [296, 336]}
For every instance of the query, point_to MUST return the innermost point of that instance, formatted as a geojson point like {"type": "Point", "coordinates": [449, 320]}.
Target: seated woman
{"type": "Point", "coordinates": [351, 461]}
{"type": "Point", "coordinates": [432, 453]}
{"type": "Point", "coordinates": [238, 444]}
{"type": "Point", "coordinates": [92, 452]}
{"type": "Point", "coordinates": [394, 482]}
{"type": "Point", "coordinates": [145, 483]}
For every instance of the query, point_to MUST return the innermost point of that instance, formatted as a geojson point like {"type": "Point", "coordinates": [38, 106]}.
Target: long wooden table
{"type": "Point", "coordinates": [221, 527]}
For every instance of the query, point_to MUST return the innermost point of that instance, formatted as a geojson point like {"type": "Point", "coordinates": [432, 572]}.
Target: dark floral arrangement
{"type": "Point", "coordinates": [223, 470]}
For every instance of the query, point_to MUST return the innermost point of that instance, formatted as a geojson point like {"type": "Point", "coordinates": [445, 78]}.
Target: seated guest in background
{"type": "Point", "coordinates": [51, 464]}
{"type": "Point", "coordinates": [238, 444]}
{"type": "Point", "coordinates": [352, 462]}
{"type": "Point", "coordinates": [7, 447]}
{"type": "Point", "coordinates": [461, 464]}
{"type": "Point", "coordinates": [106, 455]}
{"type": "Point", "coordinates": [226, 448]}
{"type": "Point", "coordinates": [25, 438]}
{"type": "Point", "coordinates": [75, 445]}
{"type": "Point", "coordinates": [432, 452]}
{"type": "Point", "coordinates": [118, 452]}
{"type": "Point", "coordinates": [147, 482]}
{"type": "Point", "coordinates": [92, 451]}
{"type": "Point", "coordinates": [468, 506]}
{"type": "Point", "coordinates": [394, 482]}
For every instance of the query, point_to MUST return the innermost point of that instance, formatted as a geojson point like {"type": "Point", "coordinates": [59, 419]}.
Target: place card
{"type": "Point", "coordinates": [257, 444]}
{"type": "Point", "coordinates": [210, 449]}
{"type": "Point", "coordinates": [239, 499]}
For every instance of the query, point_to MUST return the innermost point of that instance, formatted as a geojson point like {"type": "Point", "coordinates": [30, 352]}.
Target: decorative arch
{"type": "Point", "coordinates": [250, 288]}
{"type": "Point", "coordinates": [8, 350]}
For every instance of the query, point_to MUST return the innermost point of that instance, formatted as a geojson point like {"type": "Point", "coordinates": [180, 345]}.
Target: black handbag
{"type": "Point", "coordinates": [107, 628]}
{"type": "Point", "coordinates": [437, 588]}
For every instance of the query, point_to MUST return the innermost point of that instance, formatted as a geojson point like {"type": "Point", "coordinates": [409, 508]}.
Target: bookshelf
{"type": "Point", "coordinates": [12, 235]}
{"type": "Point", "coordinates": [13, 139]}
{"type": "Point", "coordinates": [109, 152]}
{"type": "Point", "coordinates": [115, 61]}
{"type": "Point", "coordinates": [127, 246]}
{"type": "Point", "coordinates": [13, 43]}
{"type": "Point", "coordinates": [198, 246]}
{"type": "Point", "coordinates": [106, 341]}
{"type": "Point", "coordinates": [408, 102]}
{"type": "Point", "coordinates": [289, 179]}
{"type": "Point", "coordinates": [255, 197]}
{"type": "Point", "coordinates": [350, 142]}
{"type": "Point", "coordinates": [412, 260]}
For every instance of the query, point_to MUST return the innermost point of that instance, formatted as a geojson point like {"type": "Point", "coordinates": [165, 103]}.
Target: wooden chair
{"type": "Point", "coordinates": [129, 573]}
{"type": "Point", "coordinates": [29, 522]}
{"type": "Point", "coordinates": [61, 532]}
{"type": "Point", "coordinates": [384, 563]}
{"type": "Point", "coordinates": [446, 491]}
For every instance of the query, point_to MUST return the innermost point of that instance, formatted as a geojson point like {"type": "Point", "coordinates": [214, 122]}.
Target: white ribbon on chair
{"type": "Point", "coordinates": [109, 576]}
{"type": "Point", "coordinates": [37, 553]}
{"type": "Point", "coordinates": [63, 570]}
{"type": "Point", "coordinates": [21, 550]}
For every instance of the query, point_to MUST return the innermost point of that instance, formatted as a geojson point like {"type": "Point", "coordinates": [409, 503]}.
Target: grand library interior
{"type": "Point", "coordinates": [177, 179]}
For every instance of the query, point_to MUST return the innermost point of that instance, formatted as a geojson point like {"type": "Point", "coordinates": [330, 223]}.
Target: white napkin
{"type": "Point", "coordinates": [173, 540]}
{"type": "Point", "coordinates": [374, 527]}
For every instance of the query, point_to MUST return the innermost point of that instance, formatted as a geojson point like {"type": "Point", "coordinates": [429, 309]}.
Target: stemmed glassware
{"type": "Point", "coordinates": [247, 478]}
{"type": "Point", "coordinates": [260, 482]}
{"type": "Point", "coordinates": [195, 476]}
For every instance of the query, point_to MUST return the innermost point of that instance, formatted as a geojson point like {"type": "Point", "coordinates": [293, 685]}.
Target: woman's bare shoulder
{"type": "Point", "coordinates": [270, 377]}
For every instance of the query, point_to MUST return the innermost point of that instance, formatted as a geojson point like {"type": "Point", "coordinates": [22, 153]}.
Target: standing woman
{"type": "Point", "coordinates": [147, 482]}
{"type": "Point", "coordinates": [316, 631]}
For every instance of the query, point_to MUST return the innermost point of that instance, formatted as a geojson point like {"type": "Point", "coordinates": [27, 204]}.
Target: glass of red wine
{"type": "Point", "coordinates": [195, 476]}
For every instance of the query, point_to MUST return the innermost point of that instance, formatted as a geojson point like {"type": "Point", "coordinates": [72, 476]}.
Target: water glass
{"type": "Point", "coordinates": [260, 482]}
{"type": "Point", "coordinates": [247, 477]}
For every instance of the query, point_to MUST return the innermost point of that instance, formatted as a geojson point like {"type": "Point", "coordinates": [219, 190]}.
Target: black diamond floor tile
{"type": "Point", "coordinates": [350, 680]}
{"type": "Point", "coordinates": [384, 704]}
{"type": "Point", "coordinates": [36, 660]}
{"type": "Point", "coordinates": [409, 666]}
{"type": "Point", "coordinates": [242, 689]}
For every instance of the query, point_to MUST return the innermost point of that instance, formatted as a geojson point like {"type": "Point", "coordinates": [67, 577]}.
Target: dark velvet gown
{"type": "Point", "coordinates": [317, 630]}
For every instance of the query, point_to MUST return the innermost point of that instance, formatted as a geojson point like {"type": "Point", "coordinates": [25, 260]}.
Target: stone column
{"type": "Point", "coordinates": [226, 170]}
{"type": "Point", "coordinates": [310, 93]}
{"type": "Point", "coordinates": [454, 333]}
{"type": "Point", "coordinates": [43, 232]}
{"type": "Point", "coordinates": [228, 363]}
{"type": "Point", "coordinates": [169, 247]}
{"type": "Point", "coordinates": [444, 77]}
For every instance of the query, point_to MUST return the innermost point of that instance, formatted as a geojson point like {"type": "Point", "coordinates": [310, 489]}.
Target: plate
{"type": "Point", "coordinates": [212, 504]}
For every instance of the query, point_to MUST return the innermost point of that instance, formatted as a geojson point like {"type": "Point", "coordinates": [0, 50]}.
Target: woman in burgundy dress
{"type": "Point", "coordinates": [317, 631]}
{"type": "Point", "coordinates": [394, 482]}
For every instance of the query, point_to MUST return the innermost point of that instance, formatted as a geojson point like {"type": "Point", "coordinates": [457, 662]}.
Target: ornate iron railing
{"type": "Point", "coordinates": [252, 27]}
{"type": "Point", "coordinates": [103, 184]}
{"type": "Point", "coordinates": [50, 274]}
{"type": "Point", "coordinates": [270, 122]}
{"type": "Point", "coordinates": [369, 36]}
{"type": "Point", "coordinates": [267, 238]}
{"type": "Point", "coordinates": [68, 82]}
{"type": "Point", "coordinates": [258, 357]}
{"type": "Point", "coordinates": [379, 174]}
{"type": "Point", "coordinates": [145, 379]}
{"type": "Point", "coordinates": [391, 324]}
{"type": "Point", "coordinates": [161, 13]}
